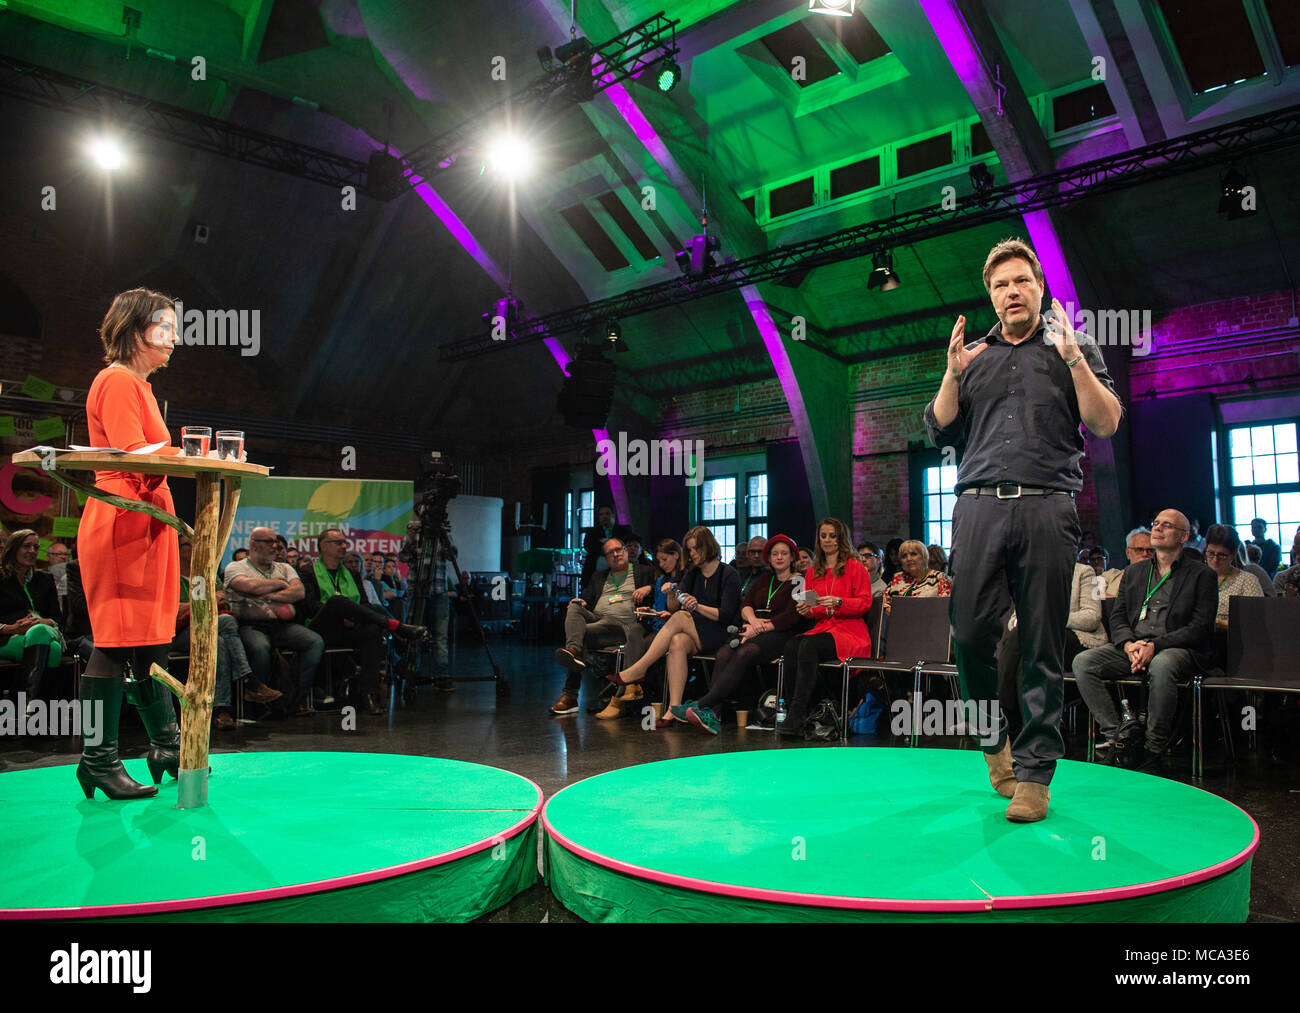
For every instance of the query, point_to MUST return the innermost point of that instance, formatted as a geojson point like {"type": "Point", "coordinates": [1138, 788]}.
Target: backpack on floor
{"type": "Point", "coordinates": [865, 719]}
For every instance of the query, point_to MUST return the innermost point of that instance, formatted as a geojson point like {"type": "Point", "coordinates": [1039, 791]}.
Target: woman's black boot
{"type": "Point", "coordinates": [100, 766]}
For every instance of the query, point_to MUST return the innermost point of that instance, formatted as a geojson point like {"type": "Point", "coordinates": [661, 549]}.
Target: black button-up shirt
{"type": "Point", "coordinates": [1018, 414]}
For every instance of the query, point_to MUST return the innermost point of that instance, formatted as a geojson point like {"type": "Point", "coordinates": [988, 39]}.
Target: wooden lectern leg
{"type": "Point", "coordinates": [196, 721]}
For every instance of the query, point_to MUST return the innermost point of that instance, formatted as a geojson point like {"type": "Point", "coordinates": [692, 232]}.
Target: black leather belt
{"type": "Point", "coordinates": [1012, 490]}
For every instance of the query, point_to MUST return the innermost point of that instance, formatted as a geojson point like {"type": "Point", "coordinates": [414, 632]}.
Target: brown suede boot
{"type": "Point", "coordinates": [1001, 776]}
{"type": "Point", "coordinates": [1030, 802]}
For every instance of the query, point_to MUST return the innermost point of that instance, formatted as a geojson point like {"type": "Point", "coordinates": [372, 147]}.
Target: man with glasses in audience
{"type": "Point", "coordinates": [333, 605]}
{"type": "Point", "coordinates": [1162, 627]}
{"type": "Point", "coordinates": [869, 554]}
{"type": "Point", "coordinates": [605, 616]}
{"type": "Point", "coordinates": [1137, 547]}
{"type": "Point", "coordinates": [749, 563]}
{"type": "Point", "coordinates": [262, 593]}
{"type": "Point", "coordinates": [594, 537]}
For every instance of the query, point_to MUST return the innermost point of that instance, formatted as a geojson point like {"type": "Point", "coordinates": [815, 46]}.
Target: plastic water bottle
{"type": "Point", "coordinates": [1126, 712]}
{"type": "Point", "coordinates": [780, 711]}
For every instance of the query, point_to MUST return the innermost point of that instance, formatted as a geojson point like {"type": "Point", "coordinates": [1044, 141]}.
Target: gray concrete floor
{"type": "Point", "coordinates": [517, 733]}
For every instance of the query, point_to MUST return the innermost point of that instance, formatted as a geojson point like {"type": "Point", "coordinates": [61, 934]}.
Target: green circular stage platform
{"type": "Point", "coordinates": [890, 834]}
{"type": "Point", "coordinates": [316, 837]}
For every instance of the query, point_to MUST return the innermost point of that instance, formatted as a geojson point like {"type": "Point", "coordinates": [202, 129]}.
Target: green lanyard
{"type": "Point", "coordinates": [1152, 590]}
{"type": "Point", "coordinates": [619, 583]}
{"type": "Point", "coordinates": [770, 593]}
{"type": "Point", "coordinates": [29, 599]}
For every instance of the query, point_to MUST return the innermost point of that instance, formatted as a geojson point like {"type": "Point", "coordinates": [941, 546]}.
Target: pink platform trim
{"type": "Point", "coordinates": [279, 892]}
{"type": "Point", "coordinates": [879, 904]}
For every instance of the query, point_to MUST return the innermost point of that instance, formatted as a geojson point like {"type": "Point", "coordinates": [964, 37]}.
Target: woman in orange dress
{"type": "Point", "coordinates": [130, 564]}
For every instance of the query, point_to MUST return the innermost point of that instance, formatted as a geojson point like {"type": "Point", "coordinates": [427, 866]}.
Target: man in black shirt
{"type": "Point", "coordinates": [1162, 625]}
{"type": "Point", "coordinates": [1015, 399]}
{"type": "Point", "coordinates": [1270, 553]}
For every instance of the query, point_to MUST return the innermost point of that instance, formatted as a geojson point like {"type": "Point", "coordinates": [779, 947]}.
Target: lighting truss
{"type": "Point", "coordinates": [135, 113]}
{"type": "Point", "coordinates": [589, 74]}
{"type": "Point", "coordinates": [1162, 160]}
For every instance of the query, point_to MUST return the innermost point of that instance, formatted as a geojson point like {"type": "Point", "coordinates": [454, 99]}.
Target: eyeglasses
{"type": "Point", "coordinates": [870, 555]}
{"type": "Point", "coordinates": [1217, 555]}
{"type": "Point", "coordinates": [615, 552]}
{"type": "Point", "coordinates": [1165, 524]}
{"type": "Point", "coordinates": [269, 540]}
{"type": "Point", "coordinates": [1144, 550]}
{"type": "Point", "coordinates": [333, 541]}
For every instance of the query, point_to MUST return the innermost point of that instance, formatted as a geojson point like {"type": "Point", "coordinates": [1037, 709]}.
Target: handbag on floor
{"type": "Point", "coordinates": [823, 723]}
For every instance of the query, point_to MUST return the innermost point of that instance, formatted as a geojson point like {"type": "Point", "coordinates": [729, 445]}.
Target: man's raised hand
{"type": "Point", "coordinates": [959, 357]}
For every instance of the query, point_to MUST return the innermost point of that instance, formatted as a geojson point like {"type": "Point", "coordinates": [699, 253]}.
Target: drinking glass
{"type": "Point", "coordinates": [230, 445]}
{"type": "Point", "coordinates": [196, 440]}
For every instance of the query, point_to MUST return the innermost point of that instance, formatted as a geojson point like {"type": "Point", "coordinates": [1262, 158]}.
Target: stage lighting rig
{"type": "Point", "coordinates": [1234, 201]}
{"type": "Point", "coordinates": [669, 74]}
{"type": "Point", "coordinates": [882, 272]}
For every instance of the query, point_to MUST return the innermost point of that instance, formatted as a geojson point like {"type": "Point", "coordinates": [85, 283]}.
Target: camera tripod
{"type": "Point", "coordinates": [434, 540]}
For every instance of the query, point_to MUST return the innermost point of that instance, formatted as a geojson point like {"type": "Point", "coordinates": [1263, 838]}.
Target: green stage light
{"type": "Point", "coordinates": [669, 74]}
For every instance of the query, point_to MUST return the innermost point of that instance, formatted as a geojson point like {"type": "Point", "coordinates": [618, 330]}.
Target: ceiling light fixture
{"type": "Point", "coordinates": [835, 8]}
{"type": "Point", "coordinates": [107, 153]}
{"type": "Point", "coordinates": [882, 272]}
{"type": "Point", "coordinates": [669, 74]}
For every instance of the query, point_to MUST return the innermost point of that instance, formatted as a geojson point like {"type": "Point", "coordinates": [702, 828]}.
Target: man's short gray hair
{"type": "Point", "coordinates": [1128, 539]}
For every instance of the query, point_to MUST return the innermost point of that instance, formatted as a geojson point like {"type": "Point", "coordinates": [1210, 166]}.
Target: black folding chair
{"type": "Point", "coordinates": [1263, 657]}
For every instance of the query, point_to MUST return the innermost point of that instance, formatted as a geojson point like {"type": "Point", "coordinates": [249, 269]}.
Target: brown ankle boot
{"type": "Point", "coordinates": [1030, 802]}
{"type": "Point", "coordinates": [1001, 776]}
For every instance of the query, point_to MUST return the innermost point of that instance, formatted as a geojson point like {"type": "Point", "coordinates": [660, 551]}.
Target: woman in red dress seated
{"type": "Point", "coordinates": [130, 565]}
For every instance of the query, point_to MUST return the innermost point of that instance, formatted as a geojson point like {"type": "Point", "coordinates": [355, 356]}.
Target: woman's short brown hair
{"type": "Point", "coordinates": [133, 312]}
{"type": "Point", "coordinates": [1012, 249]}
{"type": "Point", "coordinates": [705, 544]}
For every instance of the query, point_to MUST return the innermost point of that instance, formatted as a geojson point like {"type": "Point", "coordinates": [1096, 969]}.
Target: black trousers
{"type": "Point", "coordinates": [803, 654]}
{"type": "Point", "coordinates": [1010, 689]}
{"type": "Point", "coordinates": [1015, 552]}
{"type": "Point", "coordinates": [733, 664]}
{"type": "Point", "coordinates": [365, 637]}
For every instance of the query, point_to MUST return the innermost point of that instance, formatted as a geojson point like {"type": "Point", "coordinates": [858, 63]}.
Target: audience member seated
{"type": "Point", "coordinates": [333, 609]}
{"type": "Point", "coordinates": [770, 619]}
{"type": "Point", "coordinates": [668, 571]}
{"type": "Point", "coordinates": [30, 618]}
{"type": "Point", "coordinates": [749, 564]}
{"type": "Point", "coordinates": [291, 556]}
{"type": "Point", "coordinates": [593, 538]}
{"type": "Point", "coordinates": [938, 559]}
{"type": "Point", "coordinates": [57, 557]}
{"type": "Point", "coordinates": [232, 660]}
{"type": "Point", "coordinates": [891, 564]}
{"type": "Point", "coordinates": [1099, 560]}
{"type": "Point", "coordinates": [1137, 548]}
{"type": "Point", "coordinates": [1291, 575]}
{"type": "Point", "coordinates": [1270, 553]}
{"type": "Point", "coordinates": [636, 552]}
{"type": "Point", "coordinates": [604, 616]}
{"type": "Point", "coordinates": [262, 592]}
{"type": "Point", "coordinates": [352, 560]}
{"type": "Point", "coordinates": [393, 578]}
{"type": "Point", "coordinates": [1162, 628]}
{"type": "Point", "coordinates": [1087, 540]}
{"type": "Point", "coordinates": [869, 556]}
{"type": "Point", "coordinates": [843, 589]}
{"type": "Point", "coordinates": [1222, 544]}
{"type": "Point", "coordinates": [702, 605]}
{"type": "Point", "coordinates": [914, 580]}
{"type": "Point", "coordinates": [803, 560]}
{"type": "Point", "coordinates": [76, 626]}
{"type": "Point", "coordinates": [1196, 540]}
{"type": "Point", "coordinates": [1084, 630]}
{"type": "Point", "coordinates": [281, 549]}
{"type": "Point", "coordinates": [238, 554]}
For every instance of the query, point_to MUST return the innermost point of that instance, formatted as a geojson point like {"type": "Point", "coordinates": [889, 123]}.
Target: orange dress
{"type": "Point", "coordinates": [130, 562]}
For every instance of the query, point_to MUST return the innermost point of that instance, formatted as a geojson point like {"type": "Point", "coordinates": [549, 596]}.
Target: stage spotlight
{"type": "Point", "coordinates": [510, 156]}
{"type": "Point", "coordinates": [882, 273]}
{"type": "Point", "coordinates": [836, 8]}
{"type": "Point", "coordinates": [1234, 201]}
{"type": "Point", "coordinates": [669, 74]}
{"type": "Point", "coordinates": [107, 153]}
{"type": "Point", "coordinates": [980, 177]}
{"type": "Point", "coordinates": [613, 335]}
